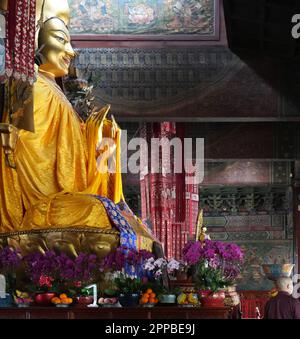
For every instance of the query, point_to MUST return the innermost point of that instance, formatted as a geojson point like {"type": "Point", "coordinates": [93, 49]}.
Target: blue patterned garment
{"type": "Point", "coordinates": [127, 235]}
{"type": "Point", "coordinates": [128, 238]}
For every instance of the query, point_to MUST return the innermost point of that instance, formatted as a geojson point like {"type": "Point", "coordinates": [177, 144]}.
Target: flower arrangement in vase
{"type": "Point", "coordinates": [48, 275]}
{"type": "Point", "coordinates": [51, 274]}
{"type": "Point", "coordinates": [161, 270]}
{"type": "Point", "coordinates": [159, 266]}
{"type": "Point", "coordinates": [124, 269]}
{"type": "Point", "coordinates": [129, 288]}
{"type": "Point", "coordinates": [215, 266]}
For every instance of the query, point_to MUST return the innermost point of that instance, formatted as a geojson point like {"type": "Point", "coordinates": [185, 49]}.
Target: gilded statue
{"type": "Point", "coordinates": [59, 194]}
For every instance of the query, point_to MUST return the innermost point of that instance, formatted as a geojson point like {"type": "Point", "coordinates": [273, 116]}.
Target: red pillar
{"type": "Point", "coordinates": [169, 201]}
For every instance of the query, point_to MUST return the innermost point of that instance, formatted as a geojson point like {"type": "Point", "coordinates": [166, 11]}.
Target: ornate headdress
{"type": "Point", "coordinates": [39, 26]}
{"type": "Point", "coordinates": [40, 22]}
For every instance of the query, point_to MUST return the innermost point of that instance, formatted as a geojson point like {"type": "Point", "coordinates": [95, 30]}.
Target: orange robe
{"type": "Point", "coordinates": [56, 174]}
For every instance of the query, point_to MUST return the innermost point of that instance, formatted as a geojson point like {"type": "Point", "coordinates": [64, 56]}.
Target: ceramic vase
{"type": "Point", "coordinates": [44, 299]}
{"type": "Point", "coordinates": [212, 299]}
{"type": "Point", "coordinates": [129, 300]}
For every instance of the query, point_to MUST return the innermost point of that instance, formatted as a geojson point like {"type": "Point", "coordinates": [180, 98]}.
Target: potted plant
{"type": "Point", "coordinates": [215, 266]}
{"type": "Point", "coordinates": [129, 289]}
{"type": "Point", "coordinates": [45, 292]}
{"type": "Point", "coordinates": [161, 270]}
{"type": "Point", "coordinates": [82, 271]}
{"type": "Point", "coordinates": [168, 295]}
{"type": "Point", "coordinates": [124, 267]}
{"type": "Point", "coordinates": [50, 274]}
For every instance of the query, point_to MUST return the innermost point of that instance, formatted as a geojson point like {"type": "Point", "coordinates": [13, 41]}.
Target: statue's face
{"type": "Point", "coordinates": [51, 8]}
{"type": "Point", "coordinates": [57, 51]}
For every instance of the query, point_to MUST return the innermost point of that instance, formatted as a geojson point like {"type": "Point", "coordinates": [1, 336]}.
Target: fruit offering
{"type": "Point", "coordinates": [21, 294]}
{"type": "Point", "coordinates": [148, 297]}
{"type": "Point", "coordinates": [62, 299]}
{"type": "Point", "coordinates": [187, 299]}
{"type": "Point", "coordinates": [107, 301]}
{"type": "Point", "coordinates": [22, 298]}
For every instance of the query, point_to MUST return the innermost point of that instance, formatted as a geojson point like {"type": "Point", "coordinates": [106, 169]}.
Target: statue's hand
{"type": "Point", "coordinates": [97, 118]}
{"type": "Point", "coordinates": [108, 144]}
{"type": "Point", "coordinates": [94, 132]}
{"type": "Point", "coordinates": [114, 127]}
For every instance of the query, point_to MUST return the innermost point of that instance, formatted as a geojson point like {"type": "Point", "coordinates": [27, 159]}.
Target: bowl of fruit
{"type": "Point", "coordinates": [187, 299]}
{"type": "Point", "coordinates": [148, 298]}
{"type": "Point", "coordinates": [62, 301]}
{"type": "Point", "coordinates": [108, 302]}
{"type": "Point", "coordinates": [22, 299]}
{"type": "Point", "coordinates": [109, 298]}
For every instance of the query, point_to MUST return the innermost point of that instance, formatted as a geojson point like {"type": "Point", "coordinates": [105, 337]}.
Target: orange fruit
{"type": "Point", "coordinates": [56, 301]}
{"type": "Point", "coordinates": [144, 300]}
{"type": "Point", "coordinates": [152, 300]}
{"type": "Point", "coordinates": [63, 296]}
{"type": "Point", "coordinates": [149, 291]}
{"type": "Point", "coordinates": [152, 295]}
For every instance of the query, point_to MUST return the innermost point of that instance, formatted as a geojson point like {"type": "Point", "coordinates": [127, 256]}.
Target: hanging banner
{"type": "Point", "coordinates": [199, 18]}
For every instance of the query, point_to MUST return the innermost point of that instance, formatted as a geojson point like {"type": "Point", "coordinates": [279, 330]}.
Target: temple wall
{"type": "Point", "coordinates": [247, 189]}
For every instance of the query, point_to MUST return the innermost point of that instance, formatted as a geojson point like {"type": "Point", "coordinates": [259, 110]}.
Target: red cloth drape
{"type": "Point", "coordinates": [167, 202]}
{"type": "Point", "coordinates": [20, 39]}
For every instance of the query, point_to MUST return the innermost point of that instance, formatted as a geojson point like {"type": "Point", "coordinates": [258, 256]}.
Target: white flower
{"type": "Point", "coordinates": [149, 264]}
{"type": "Point", "coordinates": [173, 265]}
{"type": "Point", "coordinates": [160, 263]}
{"type": "Point", "coordinates": [158, 273]}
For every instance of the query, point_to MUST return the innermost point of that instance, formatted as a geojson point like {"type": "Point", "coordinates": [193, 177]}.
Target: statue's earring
{"type": "Point", "coordinates": [38, 59]}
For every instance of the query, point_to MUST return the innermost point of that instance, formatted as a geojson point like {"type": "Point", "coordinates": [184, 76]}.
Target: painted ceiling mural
{"type": "Point", "coordinates": [143, 17]}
